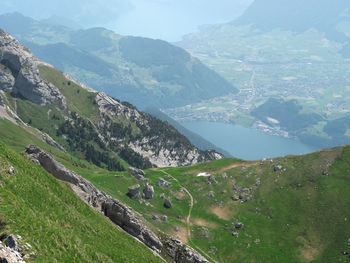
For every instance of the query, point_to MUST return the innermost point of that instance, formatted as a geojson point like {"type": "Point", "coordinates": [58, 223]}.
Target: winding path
{"type": "Point", "coordinates": [188, 219]}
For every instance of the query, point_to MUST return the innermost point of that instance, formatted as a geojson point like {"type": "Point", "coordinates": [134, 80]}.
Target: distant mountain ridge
{"type": "Point", "coordinates": [107, 132]}
{"type": "Point", "coordinates": [298, 16]}
{"type": "Point", "coordinates": [143, 71]}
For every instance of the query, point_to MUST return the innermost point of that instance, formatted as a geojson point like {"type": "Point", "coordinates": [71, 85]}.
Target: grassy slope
{"type": "Point", "coordinates": [305, 223]}
{"type": "Point", "coordinates": [59, 226]}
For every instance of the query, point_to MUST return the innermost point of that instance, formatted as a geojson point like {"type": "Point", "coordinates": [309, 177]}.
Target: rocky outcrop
{"type": "Point", "coordinates": [181, 253]}
{"type": "Point", "coordinates": [47, 138]}
{"type": "Point", "coordinates": [9, 255]}
{"type": "Point", "coordinates": [126, 219]}
{"type": "Point", "coordinates": [137, 173]}
{"type": "Point", "coordinates": [22, 74]}
{"type": "Point", "coordinates": [119, 213]}
{"type": "Point", "coordinates": [15, 250]}
{"type": "Point", "coordinates": [161, 182]}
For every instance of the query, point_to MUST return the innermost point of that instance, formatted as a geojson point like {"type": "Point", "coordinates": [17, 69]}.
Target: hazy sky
{"type": "Point", "coordinates": [170, 19]}
{"type": "Point", "coordinates": [164, 19]}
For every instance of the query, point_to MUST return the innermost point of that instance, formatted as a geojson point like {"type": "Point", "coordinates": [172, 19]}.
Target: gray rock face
{"type": "Point", "coordinates": [134, 191]}
{"type": "Point", "coordinates": [167, 203]}
{"type": "Point", "coordinates": [148, 191]}
{"type": "Point", "coordinates": [25, 78]}
{"type": "Point", "coordinates": [52, 142]}
{"type": "Point", "coordinates": [119, 213]}
{"type": "Point", "coordinates": [9, 255]}
{"type": "Point", "coordinates": [126, 219]}
{"type": "Point", "coordinates": [224, 176]}
{"type": "Point", "coordinates": [7, 81]}
{"type": "Point", "coordinates": [181, 253]}
{"type": "Point", "coordinates": [161, 182]}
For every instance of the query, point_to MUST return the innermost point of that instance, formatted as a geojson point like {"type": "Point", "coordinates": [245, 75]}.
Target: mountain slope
{"type": "Point", "coordinates": [89, 124]}
{"type": "Point", "coordinates": [55, 222]}
{"type": "Point", "coordinates": [167, 75]}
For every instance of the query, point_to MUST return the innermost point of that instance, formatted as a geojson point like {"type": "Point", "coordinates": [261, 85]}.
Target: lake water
{"type": "Point", "coordinates": [247, 143]}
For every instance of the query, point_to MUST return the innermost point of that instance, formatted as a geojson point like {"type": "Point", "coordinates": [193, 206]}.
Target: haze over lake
{"type": "Point", "coordinates": [247, 143]}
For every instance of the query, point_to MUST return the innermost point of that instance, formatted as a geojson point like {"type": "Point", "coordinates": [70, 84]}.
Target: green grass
{"type": "Point", "coordinates": [78, 99]}
{"type": "Point", "coordinates": [59, 226]}
{"type": "Point", "coordinates": [305, 223]}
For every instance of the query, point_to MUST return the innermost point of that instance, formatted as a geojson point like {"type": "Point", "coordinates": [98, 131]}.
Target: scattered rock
{"type": "Point", "coordinates": [234, 234]}
{"type": "Point", "coordinates": [349, 241]}
{"type": "Point", "coordinates": [161, 182]}
{"type": "Point", "coordinates": [234, 198]}
{"type": "Point", "coordinates": [212, 179]}
{"type": "Point", "coordinates": [238, 225]}
{"type": "Point", "coordinates": [213, 250]}
{"type": "Point", "coordinates": [177, 229]}
{"type": "Point", "coordinates": [162, 196]}
{"type": "Point", "coordinates": [257, 241]}
{"type": "Point", "coordinates": [211, 194]}
{"type": "Point", "coordinates": [11, 170]}
{"type": "Point", "coordinates": [167, 203]}
{"type": "Point", "coordinates": [137, 173]}
{"type": "Point", "coordinates": [224, 176]}
{"type": "Point", "coordinates": [204, 232]}
{"type": "Point", "coordinates": [119, 176]}
{"type": "Point", "coordinates": [155, 218]}
{"type": "Point", "coordinates": [148, 191]}
{"type": "Point", "coordinates": [164, 218]}
{"type": "Point", "coordinates": [178, 198]}
{"type": "Point", "coordinates": [244, 197]}
{"type": "Point", "coordinates": [277, 168]}
{"type": "Point", "coordinates": [134, 191]}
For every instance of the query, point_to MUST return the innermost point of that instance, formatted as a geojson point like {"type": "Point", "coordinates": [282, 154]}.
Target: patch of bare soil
{"type": "Point", "coordinates": [202, 222]}
{"type": "Point", "coordinates": [221, 212]}
{"type": "Point", "coordinates": [182, 234]}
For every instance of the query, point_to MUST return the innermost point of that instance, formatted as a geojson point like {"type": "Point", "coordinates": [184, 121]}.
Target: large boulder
{"type": "Point", "coordinates": [167, 203]}
{"type": "Point", "coordinates": [148, 191]}
{"type": "Point", "coordinates": [134, 191]}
